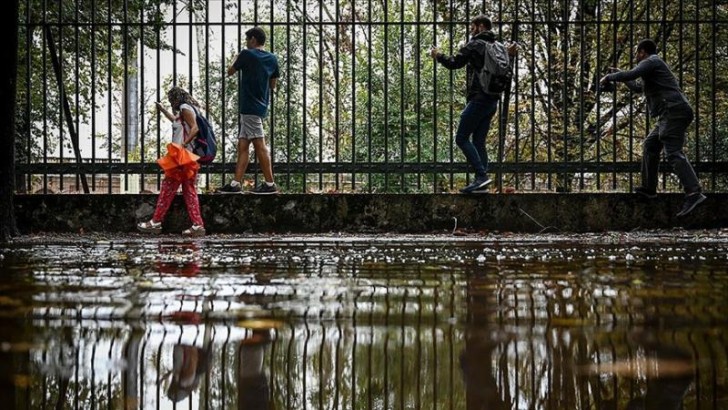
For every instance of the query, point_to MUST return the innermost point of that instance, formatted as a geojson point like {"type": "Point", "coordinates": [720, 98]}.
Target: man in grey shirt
{"type": "Point", "coordinates": [665, 101]}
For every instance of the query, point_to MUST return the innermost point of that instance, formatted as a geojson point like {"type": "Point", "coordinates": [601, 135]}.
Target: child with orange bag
{"type": "Point", "coordinates": [180, 165]}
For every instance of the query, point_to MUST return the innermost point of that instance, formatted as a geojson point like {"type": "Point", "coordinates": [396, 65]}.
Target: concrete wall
{"type": "Point", "coordinates": [368, 213]}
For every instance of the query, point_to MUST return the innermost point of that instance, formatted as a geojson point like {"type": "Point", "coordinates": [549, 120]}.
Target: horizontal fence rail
{"type": "Point", "coordinates": [360, 105]}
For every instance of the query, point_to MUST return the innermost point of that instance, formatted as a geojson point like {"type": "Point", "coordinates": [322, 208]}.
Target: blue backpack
{"type": "Point", "coordinates": [204, 144]}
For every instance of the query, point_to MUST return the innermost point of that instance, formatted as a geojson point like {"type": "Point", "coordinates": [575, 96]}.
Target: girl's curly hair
{"type": "Point", "coordinates": [178, 96]}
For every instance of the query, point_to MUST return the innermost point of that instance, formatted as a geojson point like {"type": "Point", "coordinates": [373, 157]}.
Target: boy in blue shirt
{"type": "Point", "coordinates": [259, 74]}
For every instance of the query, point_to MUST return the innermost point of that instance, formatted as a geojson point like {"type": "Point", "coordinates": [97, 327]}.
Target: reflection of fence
{"type": "Point", "coordinates": [360, 105]}
{"type": "Point", "coordinates": [397, 326]}
{"type": "Point", "coordinates": [407, 345]}
{"type": "Point", "coordinates": [332, 365]}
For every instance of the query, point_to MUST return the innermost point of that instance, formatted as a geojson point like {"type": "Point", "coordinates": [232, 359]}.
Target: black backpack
{"type": "Point", "coordinates": [204, 144]}
{"type": "Point", "coordinates": [496, 74]}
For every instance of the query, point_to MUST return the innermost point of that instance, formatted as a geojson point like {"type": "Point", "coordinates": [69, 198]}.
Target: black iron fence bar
{"type": "Point", "coordinates": [77, 102]}
{"type": "Point", "coordinates": [125, 110]}
{"type": "Point", "coordinates": [109, 84]}
{"type": "Point", "coordinates": [158, 94]}
{"type": "Point", "coordinates": [223, 114]}
{"type": "Point", "coordinates": [369, 93]}
{"type": "Point", "coordinates": [631, 123]}
{"type": "Point", "coordinates": [142, 131]}
{"type": "Point", "coordinates": [304, 137]}
{"type": "Point", "coordinates": [549, 102]}
{"type": "Point", "coordinates": [450, 90]}
{"type": "Point", "coordinates": [288, 94]}
{"type": "Point", "coordinates": [45, 106]}
{"type": "Point", "coordinates": [321, 89]}
{"type": "Point", "coordinates": [598, 124]}
{"type": "Point", "coordinates": [386, 93]}
{"type": "Point", "coordinates": [56, 55]}
{"type": "Point", "coordinates": [615, 63]}
{"type": "Point", "coordinates": [28, 155]}
{"type": "Point", "coordinates": [353, 92]}
{"type": "Point", "coordinates": [714, 80]}
{"type": "Point", "coordinates": [337, 97]}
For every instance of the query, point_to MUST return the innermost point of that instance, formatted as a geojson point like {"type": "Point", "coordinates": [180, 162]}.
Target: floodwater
{"type": "Point", "coordinates": [615, 321]}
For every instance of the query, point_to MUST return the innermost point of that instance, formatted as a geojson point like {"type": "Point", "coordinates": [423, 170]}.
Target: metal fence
{"type": "Point", "coordinates": [360, 105]}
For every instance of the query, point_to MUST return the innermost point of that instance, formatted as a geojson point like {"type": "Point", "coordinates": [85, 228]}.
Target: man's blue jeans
{"type": "Point", "coordinates": [475, 121]}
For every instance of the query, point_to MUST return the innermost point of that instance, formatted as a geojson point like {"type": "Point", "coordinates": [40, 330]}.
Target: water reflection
{"type": "Point", "coordinates": [363, 326]}
{"type": "Point", "coordinates": [667, 371]}
{"type": "Point", "coordinates": [253, 385]}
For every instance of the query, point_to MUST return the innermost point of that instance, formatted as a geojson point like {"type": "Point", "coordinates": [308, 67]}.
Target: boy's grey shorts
{"type": "Point", "coordinates": [251, 127]}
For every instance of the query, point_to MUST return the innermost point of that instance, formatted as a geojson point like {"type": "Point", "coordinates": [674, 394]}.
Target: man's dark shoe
{"type": "Point", "coordinates": [484, 190]}
{"type": "Point", "coordinates": [230, 189]}
{"type": "Point", "coordinates": [265, 189]}
{"type": "Point", "coordinates": [691, 201]}
{"type": "Point", "coordinates": [646, 193]}
{"type": "Point", "coordinates": [479, 184]}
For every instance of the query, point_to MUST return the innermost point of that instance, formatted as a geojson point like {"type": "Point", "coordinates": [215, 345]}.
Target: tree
{"type": "Point", "coordinates": [8, 226]}
{"type": "Point", "coordinates": [97, 49]}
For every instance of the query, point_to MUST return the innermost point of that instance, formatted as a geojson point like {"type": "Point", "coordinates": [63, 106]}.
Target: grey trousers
{"type": "Point", "coordinates": [669, 134]}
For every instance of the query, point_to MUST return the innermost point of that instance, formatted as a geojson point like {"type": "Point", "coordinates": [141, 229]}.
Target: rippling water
{"type": "Point", "coordinates": [345, 323]}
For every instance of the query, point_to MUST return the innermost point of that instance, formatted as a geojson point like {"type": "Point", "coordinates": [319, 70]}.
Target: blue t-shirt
{"type": "Point", "coordinates": [257, 67]}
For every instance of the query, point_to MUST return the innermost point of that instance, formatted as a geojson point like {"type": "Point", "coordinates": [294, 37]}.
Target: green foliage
{"type": "Point", "coordinates": [91, 40]}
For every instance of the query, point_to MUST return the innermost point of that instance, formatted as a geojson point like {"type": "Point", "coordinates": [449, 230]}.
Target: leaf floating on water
{"type": "Point", "coordinates": [22, 380]}
{"type": "Point", "coordinates": [648, 367]}
{"type": "Point", "coordinates": [185, 317]}
{"type": "Point", "coordinates": [145, 284]}
{"type": "Point", "coordinates": [260, 324]}
{"type": "Point", "coordinates": [567, 321]}
{"type": "Point", "coordinates": [8, 301]}
{"type": "Point", "coordinates": [19, 347]}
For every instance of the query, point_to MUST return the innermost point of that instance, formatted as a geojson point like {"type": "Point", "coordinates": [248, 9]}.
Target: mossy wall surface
{"type": "Point", "coordinates": [368, 213]}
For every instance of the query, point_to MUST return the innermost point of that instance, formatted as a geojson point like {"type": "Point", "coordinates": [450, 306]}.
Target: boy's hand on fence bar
{"type": "Point", "coordinates": [434, 52]}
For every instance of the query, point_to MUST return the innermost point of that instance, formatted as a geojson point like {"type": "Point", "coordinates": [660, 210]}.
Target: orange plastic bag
{"type": "Point", "coordinates": [179, 164]}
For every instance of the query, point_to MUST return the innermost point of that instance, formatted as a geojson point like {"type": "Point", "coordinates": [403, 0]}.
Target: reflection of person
{"type": "Point", "coordinates": [669, 371]}
{"type": "Point", "coordinates": [478, 113]}
{"type": "Point", "coordinates": [669, 375]}
{"type": "Point", "coordinates": [180, 260]}
{"type": "Point", "coordinates": [189, 364]}
{"type": "Point", "coordinates": [259, 70]}
{"type": "Point", "coordinates": [253, 389]}
{"type": "Point", "coordinates": [666, 101]}
{"type": "Point", "coordinates": [180, 166]}
{"type": "Point", "coordinates": [481, 386]}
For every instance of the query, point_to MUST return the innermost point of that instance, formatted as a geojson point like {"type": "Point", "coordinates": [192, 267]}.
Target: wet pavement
{"type": "Point", "coordinates": [445, 321]}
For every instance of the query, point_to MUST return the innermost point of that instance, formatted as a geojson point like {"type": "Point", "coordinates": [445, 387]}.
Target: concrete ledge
{"type": "Point", "coordinates": [371, 213]}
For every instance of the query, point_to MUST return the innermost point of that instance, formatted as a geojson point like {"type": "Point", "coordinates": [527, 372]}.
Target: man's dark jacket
{"type": "Point", "coordinates": [472, 55]}
{"type": "Point", "coordinates": [658, 83]}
